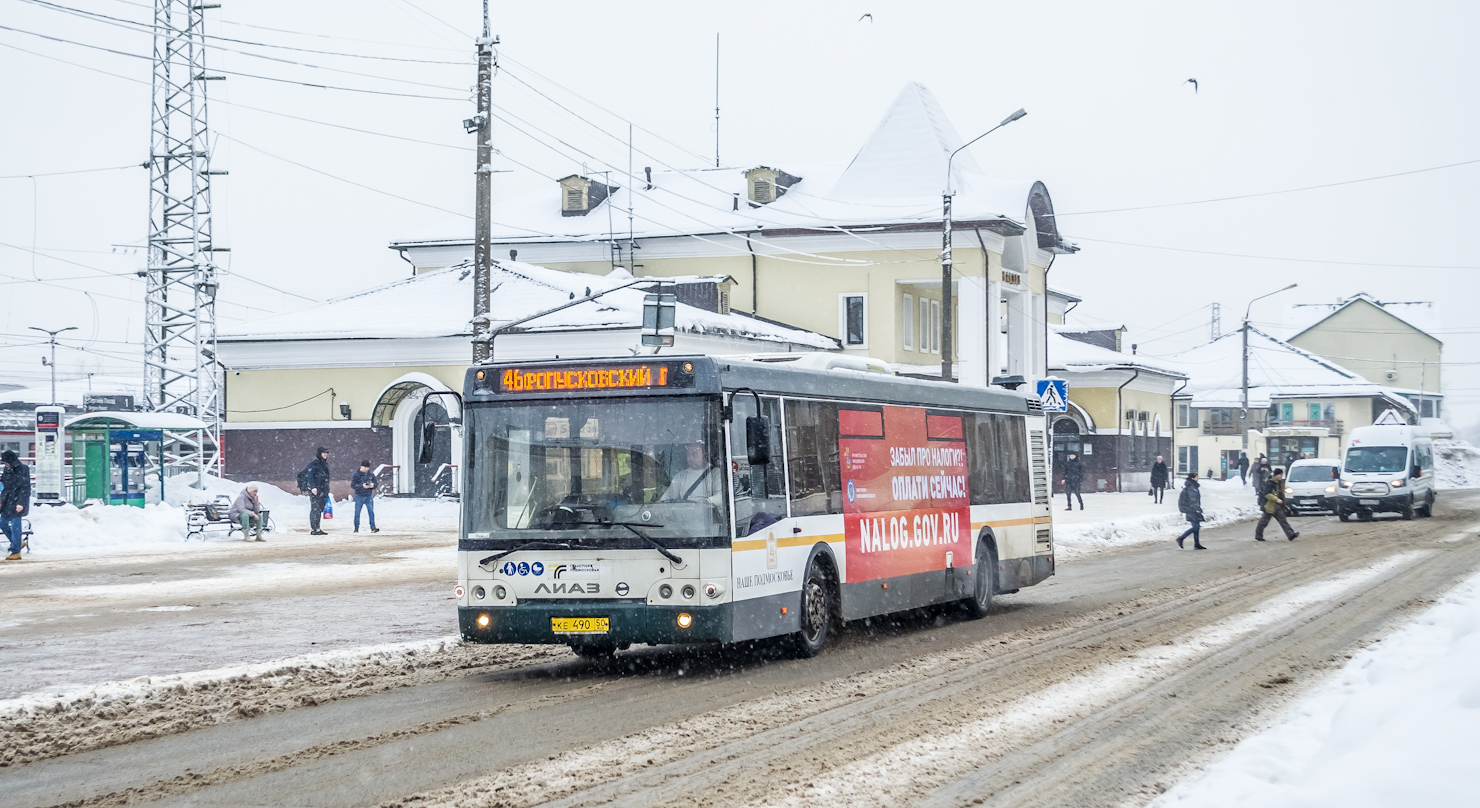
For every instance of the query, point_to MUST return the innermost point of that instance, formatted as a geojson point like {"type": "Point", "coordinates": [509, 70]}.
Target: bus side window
{"type": "Point", "coordinates": [760, 492]}
{"type": "Point", "coordinates": [812, 458]}
{"type": "Point", "coordinates": [997, 458]}
{"type": "Point", "coordinates": [1012, 443]}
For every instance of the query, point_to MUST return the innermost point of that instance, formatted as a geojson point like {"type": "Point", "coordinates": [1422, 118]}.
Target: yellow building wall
{"type": "Point", "coordinates": [304, 394]}
{"type": "Point", "coordinates": [1099, 402]}
{"type": "Point", "coordinates": [1370, 342]}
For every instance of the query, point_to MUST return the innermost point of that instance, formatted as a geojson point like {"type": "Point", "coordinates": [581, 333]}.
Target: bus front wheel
{"type": "Point", "coordinates": [817, 609]}
{"type": "Point", "coordinates": [986, 582]}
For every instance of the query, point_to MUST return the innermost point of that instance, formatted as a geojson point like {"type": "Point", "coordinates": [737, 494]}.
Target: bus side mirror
{"type": "Point", "coordinates": [1335, 474]}
{"type": "Point", "coordinates": [758, 440]}
{"type": "Point", "coordinates": [1416, 471]}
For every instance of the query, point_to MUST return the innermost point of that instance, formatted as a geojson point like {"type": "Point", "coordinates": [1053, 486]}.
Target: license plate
{"type": "Point", "coordinates": [580, 625]}
{"type": "Point", "coordinates": [1367, 501]}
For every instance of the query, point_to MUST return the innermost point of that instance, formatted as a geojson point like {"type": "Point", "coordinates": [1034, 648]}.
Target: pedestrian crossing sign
{"type": "Point", "coordinates": [1054, 393]}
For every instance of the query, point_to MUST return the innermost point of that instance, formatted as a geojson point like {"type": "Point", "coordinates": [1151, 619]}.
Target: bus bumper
{"type": "Point", "coordinates": [630, 623]}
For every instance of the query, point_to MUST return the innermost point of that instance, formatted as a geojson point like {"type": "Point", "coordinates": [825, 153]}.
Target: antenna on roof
{"type": "Point", "coordinates": [716, 99]}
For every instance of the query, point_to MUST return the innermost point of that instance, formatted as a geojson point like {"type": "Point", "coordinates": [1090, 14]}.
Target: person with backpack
{"type": "Point", "coordinates": [362, 483]}
{"type": "Point", "coordinates": [314, 480]}
{"type": "Point", "coordinates": [15, 500]}
{"type": "Point", "coordinates": [1189, 502]}
{"type": "Point", "coordinates": [1274, 506]}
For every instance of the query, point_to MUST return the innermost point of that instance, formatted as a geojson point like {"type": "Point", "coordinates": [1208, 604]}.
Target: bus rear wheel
{"type": "Point", "coordinates": [816, 612]}
{"type": "Point", "coordinates": [985, 585]}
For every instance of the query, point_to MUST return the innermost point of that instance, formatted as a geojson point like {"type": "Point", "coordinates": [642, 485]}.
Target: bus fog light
{"type": "Point", "coordinates": [499, 593]}
{"type": "Point", "coordinates": [685, 620]}
{"type": "Point", "coordinates": [688, 592]}
{"type": "Point", "coordinates": [483, 621]}
{"type": "Point", "coordinates": [665, 591]}
{"type": "Point", "coordinates": [458, 592]}
{"type": "Point", "coordinates": [713, 590]}
{"type": "Point", "coordinates": [479, 593]}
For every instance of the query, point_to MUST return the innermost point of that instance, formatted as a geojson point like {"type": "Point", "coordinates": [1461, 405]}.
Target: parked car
{"type": "Point", "coordinates": [1387, 469]}
{"type": "Point", "coordinates": [1310, 485]}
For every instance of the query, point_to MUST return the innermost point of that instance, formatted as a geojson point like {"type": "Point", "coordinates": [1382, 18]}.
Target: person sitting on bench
{"type": "Point", "coordinates": [247, 510]}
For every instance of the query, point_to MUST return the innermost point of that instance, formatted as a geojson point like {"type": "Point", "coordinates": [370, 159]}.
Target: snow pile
{"type": "Point", "coordinates": [76, 719]}
{"type": "Point", "coordinates": [1456, 464]}
{"type": "Point", "coordinates": [1395, 727]}
{"type": "Point", "coordinates": [1123, 519]}
{"type": "Point", "coordinates": [63, 528]}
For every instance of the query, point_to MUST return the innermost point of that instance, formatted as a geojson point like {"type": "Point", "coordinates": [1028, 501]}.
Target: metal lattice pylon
{"type": "Point", "coordinates": [180, 370]}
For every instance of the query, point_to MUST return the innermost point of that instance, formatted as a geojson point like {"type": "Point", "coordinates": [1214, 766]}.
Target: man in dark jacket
{"type": "Point", "coordinates": [362, 483]}
{"type": "Point", "coordinates": [1160, 476]}
{"type": "Point", "coordinates": [1274, 506]}
{"type": "Point", "coordinates": [15, 500]}
{"type": "Point", "coordinates": [1073, 478]}
{"type": "Point", "coordinates": [1261, 472]}
{"type": "Point", "coordinates": [317, 476]}
{"type": "Point", "coordinates": [1189, 502]}
{"type": "Point", "coordinates": [1243, 468]}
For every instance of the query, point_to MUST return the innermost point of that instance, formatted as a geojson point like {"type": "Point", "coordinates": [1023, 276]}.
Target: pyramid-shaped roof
{"type": "Point", "coordinates": [907, 152]}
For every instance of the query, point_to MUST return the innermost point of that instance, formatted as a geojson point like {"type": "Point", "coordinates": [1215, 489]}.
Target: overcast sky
{"type": "Point", "coordinates": [1290, 95]}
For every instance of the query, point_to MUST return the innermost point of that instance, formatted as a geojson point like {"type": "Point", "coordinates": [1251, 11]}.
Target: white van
{"type": "Point", "coordinates": [1387, 469]}
{"type": "Point", "coordinates": [1310, 484]}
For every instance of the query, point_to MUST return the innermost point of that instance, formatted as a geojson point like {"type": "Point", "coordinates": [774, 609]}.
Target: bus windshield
{"type": "Point", "coordinates": [1312, 474]}
{"type": "Point", "coordinates": [582, 468]}
{"type": "Point", "coordinates": [1377, 459]}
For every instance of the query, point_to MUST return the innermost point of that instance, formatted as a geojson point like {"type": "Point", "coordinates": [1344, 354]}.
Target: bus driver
{"type": "Point", "coordinates": [700, 482]}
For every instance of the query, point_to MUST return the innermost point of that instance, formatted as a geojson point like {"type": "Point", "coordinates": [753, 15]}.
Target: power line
{"type": "Point", "coordinates": [1272, 257]}
{"type": "Point", "coordinates": [62, 173]}
{"type": "Point", "coordinates": [1275, 193]}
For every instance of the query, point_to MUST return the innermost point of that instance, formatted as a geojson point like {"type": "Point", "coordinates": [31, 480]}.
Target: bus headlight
{"type": "Point", "coordinates": [1346, 483]}
{"type": "Point", "coordinates": [1289, 490]}
{"type": "Point", "coordinates": [479, 593]}
{"type": "Point", "coordinates": [483, 621]}
{"type": "Point", "coordinates": [1397, 483]}
{"type": "Point", "coordinates": [458, 592]}
{"type": "Point", "coordinates": [685, 620]}
{"type": "Point", "coordinates": [688, 592]}
{"type": "Point", "coordinates": [714, 590]}
{"type": "Point", "coordinates": [499, 593]}
{"type": "Point", "coordinates": [665, 591]}
{"type": "Point", "coordinates": [1330, 489]}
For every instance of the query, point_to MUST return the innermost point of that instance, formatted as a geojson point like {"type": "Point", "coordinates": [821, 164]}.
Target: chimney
{"type": "Point", "coordinates": [648, 170]}
{"type": "Point", "coordinates": [581, 195]}
{"type": "Point", "coordinates": [764, 185]}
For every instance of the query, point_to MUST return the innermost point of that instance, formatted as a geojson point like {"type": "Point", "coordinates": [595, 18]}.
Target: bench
{"type": "Point", "coordinates": [212, 517]}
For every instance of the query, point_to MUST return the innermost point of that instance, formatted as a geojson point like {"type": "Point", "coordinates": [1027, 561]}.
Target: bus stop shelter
{"type": "Point", "coordinates": [119, 458]}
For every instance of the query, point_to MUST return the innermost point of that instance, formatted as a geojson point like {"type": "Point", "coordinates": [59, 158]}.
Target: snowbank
{"type": "Point", "coordinates": [1116, 520]}
{"type": "Point", "coordinates": [1395, 727]}
{"type": "Point", "coordinates": [66, 529]}
{"type": "Point", "coordinates": [1457, 464]}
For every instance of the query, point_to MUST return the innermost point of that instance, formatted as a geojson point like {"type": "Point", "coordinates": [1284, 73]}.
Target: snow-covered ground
{"type": "Point", "coordinates": [1457, 464]}
{"type": "Point", "coordinates": [1396, 727]}
{"type": "Point", "coordinates": [160, 528]}
{"type": "Point", "coordinates": [1108, 521]}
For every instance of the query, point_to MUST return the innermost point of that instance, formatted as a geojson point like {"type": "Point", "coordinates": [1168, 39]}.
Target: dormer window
{"type": "Point", "coordinates": [764, 185]}
{"type": "Point", "coordinates": [580, 195]}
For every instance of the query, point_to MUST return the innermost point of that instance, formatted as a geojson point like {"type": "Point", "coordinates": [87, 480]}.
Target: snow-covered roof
{"type": "Point", "coordinates": [1072, 355]}
{"type": "Point", "coordinates": [69, 391]}
{"type": "Point", "coordinates": [139, 420]}
{"type": "Point", "coordinates": [1420, 315]}
{"type": "Point", "coordinates": [897, 177]}
{"type": "Point", "coordinates": [1277, 369]}
{"type": "Point", "coordinates": [439, 304]}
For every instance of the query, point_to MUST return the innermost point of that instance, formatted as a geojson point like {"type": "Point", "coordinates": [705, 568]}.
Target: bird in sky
{"type": "Point", "coordinates": [870, 18]}
{"type": "Point", "coordinates": [1193, 82]}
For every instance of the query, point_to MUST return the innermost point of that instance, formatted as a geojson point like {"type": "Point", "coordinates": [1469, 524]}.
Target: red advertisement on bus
{"type": "Point", "coordinates": [906, 502]}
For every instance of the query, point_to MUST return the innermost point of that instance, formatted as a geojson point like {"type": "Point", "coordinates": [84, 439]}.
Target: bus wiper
{"type": "Point", "coordinates": [668, 554]}
{"type": "Point", "coordinates": [530, 545]}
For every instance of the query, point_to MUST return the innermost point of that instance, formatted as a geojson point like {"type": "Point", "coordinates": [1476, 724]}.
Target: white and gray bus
{"type": "Point", "coordinates": [710, 499]}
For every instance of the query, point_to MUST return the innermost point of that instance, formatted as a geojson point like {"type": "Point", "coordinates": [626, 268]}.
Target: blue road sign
{"type": "Point", "coordinates": [1054, 393]}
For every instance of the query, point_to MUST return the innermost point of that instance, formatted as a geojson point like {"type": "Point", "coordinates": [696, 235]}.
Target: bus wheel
{"type": "Point", "coordinates": [595, 653]}
{"type": "Point", "coordinates": [1342, 515]}
{"type": "Point", "coordinates": [1428, 506]}
{"type": "Point", "coordinates": [817, 609]}
{"type": "Point", "coordinates": [1407, 512]}
{"type": "Point", "coordinates": [986, 582]}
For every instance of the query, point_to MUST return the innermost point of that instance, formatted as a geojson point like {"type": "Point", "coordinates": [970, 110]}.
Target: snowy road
{"type": "Point", "coordinates": [1104, 686]}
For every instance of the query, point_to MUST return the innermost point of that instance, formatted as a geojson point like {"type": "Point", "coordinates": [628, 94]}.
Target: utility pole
{"type": "Point", "coordinates": [716, 99]}
{"type": "Point", "coordinates": [53, 336]}
{"type": "Point", "coordinates": [180, 369]}
{"type": "Point", "coordinates": [483, 189]}
{"type": "Point", "coordinates": [1243, 413]}
{"type": "Point", "coordinates": [1217, 320]}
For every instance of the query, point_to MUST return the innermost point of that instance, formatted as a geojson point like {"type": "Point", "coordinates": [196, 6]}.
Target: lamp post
{"type": "Point", "coordinates": [1243, 413]}
{"type": "Point", "coordinates": [53, 335]}
{"type": "Point", "coordinates": [945, 253]}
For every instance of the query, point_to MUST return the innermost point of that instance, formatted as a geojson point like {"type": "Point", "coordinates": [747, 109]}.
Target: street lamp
{"type": "Point", "coordinates": [1243, 413]}
{"type": "Point", "coordinates": [53, 335]}
{"type": "Point", "coordinates": [945, 253]}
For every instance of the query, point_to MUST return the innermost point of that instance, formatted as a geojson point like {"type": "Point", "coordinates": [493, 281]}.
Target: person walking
{"type": "Point", "coordinates": [15, 500]}
{"type": "Point", "coordinates": [1160, 476]}
{"type": "Point", "coordinates": [1243, 468]}
{"type": "Point", "coordinates": [1189, 502]}
{"type": "Point", "coordinates": [362, 483]}
{"type": "Point", "coordinates": [1274, 506]}
{"type": "Point", "coordinates": [246, 510]}
{"type": "Point", "coordinates": [316, 476]}
{"type": "Point", "coordinates": [1261, 473]}
{"type": "Point", "coordinates": [1073, 479]}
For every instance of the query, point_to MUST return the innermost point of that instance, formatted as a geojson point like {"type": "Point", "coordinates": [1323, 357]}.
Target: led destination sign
{"type": "Point", "coordinates": [594, 378]}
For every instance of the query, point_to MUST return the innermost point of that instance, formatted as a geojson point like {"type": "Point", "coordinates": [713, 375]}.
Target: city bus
{"type": "Point", "coordinates": [696, 499]}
